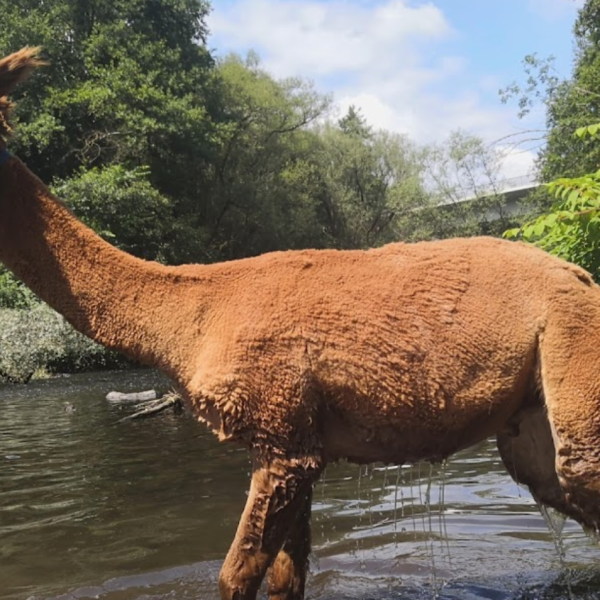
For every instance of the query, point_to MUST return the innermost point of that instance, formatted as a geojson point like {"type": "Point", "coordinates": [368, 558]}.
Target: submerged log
{"type": "Point", "coordinates": [132, 397]}
{"type": "Point", "coordinates": [154, 407]}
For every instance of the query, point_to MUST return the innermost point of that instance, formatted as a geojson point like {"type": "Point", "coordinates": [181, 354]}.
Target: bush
{"type": "Point", "coordinates": [40, 340]}
{"type": "Point", "coordinates": [14, 293]}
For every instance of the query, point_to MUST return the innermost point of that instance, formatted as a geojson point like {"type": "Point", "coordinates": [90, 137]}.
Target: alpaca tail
{"type": "Point", "coordinates": [13, 69]}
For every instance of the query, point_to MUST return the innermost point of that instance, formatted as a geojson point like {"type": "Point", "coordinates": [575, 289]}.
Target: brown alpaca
{"type": "Point", "coordinates": [402, 353]}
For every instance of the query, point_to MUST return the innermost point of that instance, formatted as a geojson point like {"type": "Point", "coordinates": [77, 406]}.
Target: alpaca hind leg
{"type": "Point", "coordinates": [570, 372]}
{"type": "Point", "coordinates": [287, 576]}
{"type": "Point", "coordinates": [277, 495]}
{"type": "Point", "coordinates": [527, 450]}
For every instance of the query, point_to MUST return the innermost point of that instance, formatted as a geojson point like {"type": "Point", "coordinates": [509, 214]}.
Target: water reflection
{"type": "Point", "coordinates": [91, 508]}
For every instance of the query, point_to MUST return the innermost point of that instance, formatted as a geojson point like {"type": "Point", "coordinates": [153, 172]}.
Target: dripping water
{"type": "Point", "coordinates": [430, 539]}
{"type": "Point", "coordinates": [555, 522]}
{"type": "Point", "coordinates": [358, 545]}
{"type": "Point", "coordinates": [398, 483]}
{"type": "Point", "coordinates": [412, 500]}
{"type": "Point", "coordinates": [445, 542]}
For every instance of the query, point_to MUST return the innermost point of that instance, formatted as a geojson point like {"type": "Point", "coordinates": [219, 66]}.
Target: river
{"type": "Point", "coordinates": [145, 510]}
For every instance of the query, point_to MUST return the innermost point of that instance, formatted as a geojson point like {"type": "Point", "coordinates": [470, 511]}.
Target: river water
{"type": "Point", "coordinates": [94, 508]}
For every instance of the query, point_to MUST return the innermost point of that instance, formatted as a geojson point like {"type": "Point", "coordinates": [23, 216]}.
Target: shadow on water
{"type": "Point", "coordinates": [91, 508]}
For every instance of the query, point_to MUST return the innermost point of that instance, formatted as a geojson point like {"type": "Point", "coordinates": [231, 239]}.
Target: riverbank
{"type": "Point", "coordinates": [37, 342]}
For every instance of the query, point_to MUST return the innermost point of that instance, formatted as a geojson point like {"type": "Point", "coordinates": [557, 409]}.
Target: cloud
{"type": "Point", "coordinates": [299, 37]}
{"type": "Point", "coordinates": [389, 58]}
{"type": "Point", "coordinates": [517, 165]}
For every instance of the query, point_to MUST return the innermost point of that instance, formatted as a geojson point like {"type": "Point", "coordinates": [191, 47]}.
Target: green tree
{"type": "Point", "coordinates": [570, 161]}
{"type": "Point", "coordinates": [462, 176]}
{"type": "Point", "coordinates": [102, 197]}
{"type": "Point", "coordinates": [353, 123]}
{"type": "Point", "coordinates": [368, 183]}
{"type": "Point", "coordinates": [575, 103]}
{"type": "Point", "coordinates": [127, 81]}
{"type": "Point", "coordinates": [259, 194]}
{"type": "Point", "coordinates": [571, 229]}
{"type": "Point", "coordinates": [569, 103]}
{"type": "Point", "coordinates": [130, 83]}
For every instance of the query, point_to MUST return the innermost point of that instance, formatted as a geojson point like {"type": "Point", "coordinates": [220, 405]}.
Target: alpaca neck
{"type": "Point", "coordinates": [4, 156]}
{"type": "Point", "coordinates": [120, 301]}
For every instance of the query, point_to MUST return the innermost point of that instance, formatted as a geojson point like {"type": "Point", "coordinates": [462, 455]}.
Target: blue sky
{"type": "Point", "coordinates": [424, 68]}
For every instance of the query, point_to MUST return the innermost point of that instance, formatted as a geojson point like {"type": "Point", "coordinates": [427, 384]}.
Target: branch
{"type": "Point", "coordinates": [154, 407]}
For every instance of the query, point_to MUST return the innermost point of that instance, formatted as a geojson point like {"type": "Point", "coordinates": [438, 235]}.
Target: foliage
{"type": "Point", "coordinates": [569, 103]}
{"type": "Point", "coordinates": [14, 293]}
{"type": "Point", "coordinates": [126, 79]}
{"type": "Point", "coordinates": [368, 184]}
{"type": "Point", "coordinates": [130, 84]}
{"type": "Point", "coordinates": [102, 196]}
{"type": "Point", "coordinates": [570, 159]}
{"type": "Point", "coordinates": [40, 339]}
{"type": "Point", "coordinates": [465, 196]}
{"type": "Point", "coordinates": [257, 192]}
{"type": "Point", "coordinates": [542, 83]}
{"type": "Point", "coordinates": [572, 229]}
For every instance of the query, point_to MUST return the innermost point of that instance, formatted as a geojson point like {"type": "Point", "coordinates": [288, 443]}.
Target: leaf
{"type": "Point", "coordinates": [538, 228]}
{"type": "Point", "coordinates": [573, 196]}
{"type": "Point", "coordinates": [510, 234]}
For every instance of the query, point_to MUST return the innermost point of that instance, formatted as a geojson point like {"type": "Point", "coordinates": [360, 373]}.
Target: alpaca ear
{"type": "Point", "coordinates": [16, 67]}
{"type": "Point", "coordinates": [13, 69]}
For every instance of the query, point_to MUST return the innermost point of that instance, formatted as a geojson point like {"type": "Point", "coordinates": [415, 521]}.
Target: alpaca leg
{"type": "Point", "coordinates": [277, 495]}
{"type": "Point", "coordinates": [287, 576]}
{"type": "Point", "coordinates": [570, 370]}
{"type": "Point", "coordinates": [527, 450]}
{"type": "Point", "coordinates": [576, 435]}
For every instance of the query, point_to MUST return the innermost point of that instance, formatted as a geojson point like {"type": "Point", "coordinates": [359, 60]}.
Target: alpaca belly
{"type": "Point", "coordinates": [421, 431]}
{"type": "Point", "coordinates": [366, 441]}
{"type": "Point", "coordinates": [397, 445]}
{"type": "Point", "coordinates": [359, 445]}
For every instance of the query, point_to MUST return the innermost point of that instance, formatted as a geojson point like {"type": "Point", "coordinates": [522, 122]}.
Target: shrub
{"type": "Point", "coordinates": [14, 293]}
{"type": "Point", "coordinates": [40, 340]}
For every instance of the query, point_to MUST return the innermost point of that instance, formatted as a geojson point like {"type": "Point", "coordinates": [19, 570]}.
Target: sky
{"type": "Point", "coordinates": [420, 67]}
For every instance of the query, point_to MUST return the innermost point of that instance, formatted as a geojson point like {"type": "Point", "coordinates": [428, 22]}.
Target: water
{"type": "Point", "coordinates": [145, 510]}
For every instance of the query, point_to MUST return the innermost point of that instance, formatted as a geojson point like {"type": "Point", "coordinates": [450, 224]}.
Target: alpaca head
{"type": "Point", "coordinates": [13, 69]}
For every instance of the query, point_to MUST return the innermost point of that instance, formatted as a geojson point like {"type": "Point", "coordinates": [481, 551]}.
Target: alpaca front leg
{"type": "Point", "coordinates": [287, 576]}
{"type": "Point", "coordinates": [277, 495]}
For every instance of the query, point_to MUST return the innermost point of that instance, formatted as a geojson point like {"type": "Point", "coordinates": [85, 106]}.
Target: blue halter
{"type": "Point", "coordinates": [4, 156]}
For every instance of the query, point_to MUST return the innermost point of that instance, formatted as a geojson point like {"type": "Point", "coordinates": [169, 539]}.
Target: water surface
{"type": "Point", "coordinates": [94, 508]}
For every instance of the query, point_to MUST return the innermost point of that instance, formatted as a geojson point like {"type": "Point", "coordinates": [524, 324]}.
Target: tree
{"type": "Point", "coordinates": [570, 103]}
{"type": "Point", "coordinates": [576, 103]}
{"type": "Point", "coordinates": [101, 198]}
{"type": "Point", "coordinates": [124, 79]}
{"type": "Point", "coordinates": [570, 160]}
{"type": "Point", "coordinates": [129, 83]}
{"type": "Point", "coordinates": [572, 229]}
{"type": "Point", "coordinates": [369, 183]}
{"type": "Point", "coordinates": [353, 123]}
{"type": "Point", "coordinates": [465, 198]}
{"type": "Point", "coordinates": [259, 194]}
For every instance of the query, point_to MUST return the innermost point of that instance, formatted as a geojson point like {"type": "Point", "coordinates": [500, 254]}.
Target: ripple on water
{"type": "Point", "coordinates": [94, 508]}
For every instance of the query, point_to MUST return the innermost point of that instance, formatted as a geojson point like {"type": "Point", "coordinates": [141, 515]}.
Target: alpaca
{"type": "Point", "coordinates": [402, 353]}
